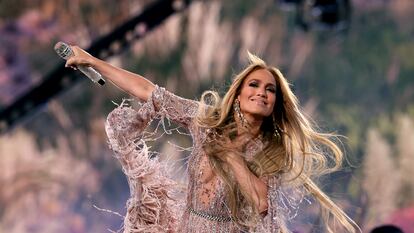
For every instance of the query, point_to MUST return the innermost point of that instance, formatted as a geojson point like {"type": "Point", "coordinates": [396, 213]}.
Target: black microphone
{"type": "Point", "coordinates": [65, 51]}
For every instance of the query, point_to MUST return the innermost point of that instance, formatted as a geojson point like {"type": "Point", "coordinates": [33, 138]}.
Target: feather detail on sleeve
{"type": "Point", "coordinates": [153, 205]}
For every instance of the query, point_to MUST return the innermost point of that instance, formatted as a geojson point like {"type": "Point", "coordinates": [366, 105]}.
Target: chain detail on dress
{"type": "Point", "coordinates": [209, 216]}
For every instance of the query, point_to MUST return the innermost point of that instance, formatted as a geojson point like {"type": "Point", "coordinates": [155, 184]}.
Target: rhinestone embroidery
{"type": "Point", "coordinates": [150, 207]}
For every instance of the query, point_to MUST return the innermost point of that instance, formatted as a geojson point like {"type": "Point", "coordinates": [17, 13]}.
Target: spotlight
{"type": "Point", "coordinates": [324, 14]}
{"type": "Point", "coordinates": [141, 29]}
{"type": "Point", "coordinates": [129, 36]}
{"type": "Point", "coordinates": [115, 47]}
{"type": "Point", "coordinates": [178, 5]}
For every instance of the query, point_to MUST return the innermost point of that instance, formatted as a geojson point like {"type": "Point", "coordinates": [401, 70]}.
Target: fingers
{"type": "Point", "coordinates": [75, 49]}
{"type": "Point", "coordinates": [79, 57]}
{"type": "Point", "coordinates": [71, 63]}
{"type": "Point", "coordinates": [242, 139]}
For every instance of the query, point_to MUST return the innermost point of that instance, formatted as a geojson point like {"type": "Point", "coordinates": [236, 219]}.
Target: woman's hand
{"type": "Point", "coordinates": [236, 148]}
{"type": "Point", "coordinates": [80, 57]}
{"type": "Point", "coordinates": [252, 186]}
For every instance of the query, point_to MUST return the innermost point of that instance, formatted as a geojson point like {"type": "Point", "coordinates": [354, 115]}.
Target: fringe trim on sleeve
{"type": "Point", "coordinates": [151, 206]}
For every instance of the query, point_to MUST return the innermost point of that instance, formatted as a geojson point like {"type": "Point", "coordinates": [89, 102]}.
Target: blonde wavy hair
{"type": "Point", "coordinates": [299, 151]}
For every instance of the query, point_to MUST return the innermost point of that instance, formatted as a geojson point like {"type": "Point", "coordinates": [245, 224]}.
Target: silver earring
{"type": "Point", "coordinates": [236, 106]}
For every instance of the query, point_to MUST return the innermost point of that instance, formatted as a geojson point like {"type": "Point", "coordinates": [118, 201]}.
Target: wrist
{"type": "Point", "coordinates": [234, 159]}
{"type": "Point", "coordinates": [94, 62]}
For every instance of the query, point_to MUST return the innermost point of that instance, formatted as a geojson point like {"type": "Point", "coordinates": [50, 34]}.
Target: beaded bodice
{"type": "Point", "coordinates": [205, 208]}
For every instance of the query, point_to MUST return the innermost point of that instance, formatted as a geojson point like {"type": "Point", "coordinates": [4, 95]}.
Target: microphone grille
{"type": "Point", "coordinates": [63, 50]}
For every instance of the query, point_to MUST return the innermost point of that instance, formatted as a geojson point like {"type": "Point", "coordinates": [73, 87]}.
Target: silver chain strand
{"type": "Point", "coordinates": [209, 216]}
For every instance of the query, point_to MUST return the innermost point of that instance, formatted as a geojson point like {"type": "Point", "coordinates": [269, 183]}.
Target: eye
{"type": "Point", "coordinates": [271, 89]}
{"type": "Point", "coordinates": [253, 84]}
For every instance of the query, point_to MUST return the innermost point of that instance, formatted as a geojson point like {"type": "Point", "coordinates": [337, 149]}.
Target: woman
{"type": "Point", "coordinates": [247, 148]}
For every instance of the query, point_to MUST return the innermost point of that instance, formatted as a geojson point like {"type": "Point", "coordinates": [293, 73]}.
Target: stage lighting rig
{"type": "Point", "coordinates": [324, 14]}
{"type": "Point", "coordinates": [319, 14]}
{"type": "Point", "coordinates": [60, 78]}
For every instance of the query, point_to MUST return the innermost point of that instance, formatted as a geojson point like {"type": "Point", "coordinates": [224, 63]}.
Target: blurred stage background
{"type": "Point", "coordinates": [355, 78]}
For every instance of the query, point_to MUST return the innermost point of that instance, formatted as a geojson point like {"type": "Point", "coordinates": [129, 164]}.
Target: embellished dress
{"type": "Point", "coordinates": [155, 204]}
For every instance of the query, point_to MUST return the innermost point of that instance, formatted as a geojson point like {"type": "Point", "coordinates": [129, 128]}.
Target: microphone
{"type": "Point", "coordinates": [65, 51]}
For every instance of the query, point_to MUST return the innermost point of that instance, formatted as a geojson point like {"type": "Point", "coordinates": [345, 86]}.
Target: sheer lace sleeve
{"type": "Point", "coordinates": [173, 107]}
{"type": "Point", "coordinates": [153, 205]}
{"type": "Point", "coordinates": [278, 208]}
{"type": "Point", "coordinates": [273, 221]}
{"type": "Point", "coordinates": [284, 201]}
{"type": "Point", "coordinates": [125, 125]}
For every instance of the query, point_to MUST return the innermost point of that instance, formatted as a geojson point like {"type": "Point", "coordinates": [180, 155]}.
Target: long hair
{"type": "Point", "coordinates": [300, 151]}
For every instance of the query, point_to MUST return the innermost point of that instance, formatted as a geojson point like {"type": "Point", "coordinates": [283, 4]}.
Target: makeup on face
{"type": "Point", "coordinates": [258, 94]}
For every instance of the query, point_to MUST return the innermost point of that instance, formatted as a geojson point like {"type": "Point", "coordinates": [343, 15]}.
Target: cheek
{"type": "Point", "coordinates": [244, 97]}
{"type": "Point", "coordinates": [273, 101]}
{"type": "Point", "coordinates": [246, 92]}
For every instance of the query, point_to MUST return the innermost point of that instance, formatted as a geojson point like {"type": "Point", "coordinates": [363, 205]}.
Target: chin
{"type": "Point", "coordinates": [260, 113]}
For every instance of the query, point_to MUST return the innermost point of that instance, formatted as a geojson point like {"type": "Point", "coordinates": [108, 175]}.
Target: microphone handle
{"type": "Point", "coordinates": [92, 74]}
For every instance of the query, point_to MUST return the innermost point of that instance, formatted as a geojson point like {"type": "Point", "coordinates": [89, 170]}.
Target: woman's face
{"type": "Point", "coordinates": [258, 95]}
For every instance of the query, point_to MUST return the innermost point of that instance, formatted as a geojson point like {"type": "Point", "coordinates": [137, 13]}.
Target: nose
{"type": "Point", "coordinates": [261, 93]}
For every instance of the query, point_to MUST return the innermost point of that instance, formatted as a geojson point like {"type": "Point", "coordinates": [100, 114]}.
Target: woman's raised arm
{"type": "Point", "coordinates": [129, 82]}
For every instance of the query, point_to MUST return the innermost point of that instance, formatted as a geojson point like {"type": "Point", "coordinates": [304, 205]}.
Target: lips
{"type": "Point", "coordinates": [259, 102]}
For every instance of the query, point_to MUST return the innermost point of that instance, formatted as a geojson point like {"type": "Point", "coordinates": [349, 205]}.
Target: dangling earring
{"type": "Point", "coordinates": [236, 106]}
{"type": "Point", "coordinates": [277, 131]}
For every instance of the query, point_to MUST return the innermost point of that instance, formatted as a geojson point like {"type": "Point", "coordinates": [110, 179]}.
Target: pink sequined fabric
{"type": "Point", "coordinates": [154, 205]}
